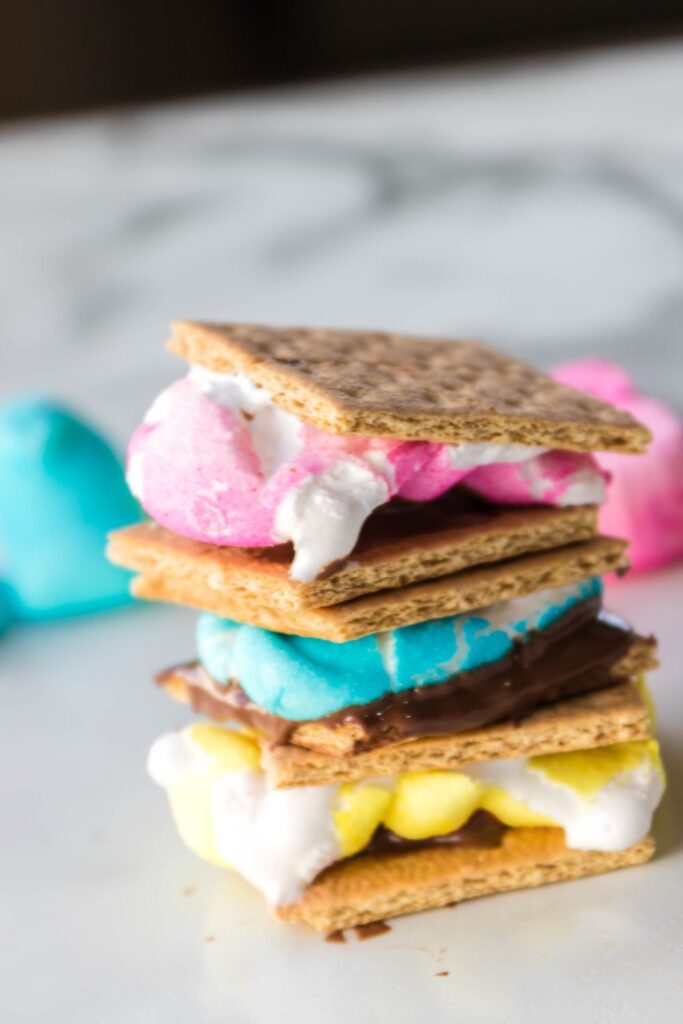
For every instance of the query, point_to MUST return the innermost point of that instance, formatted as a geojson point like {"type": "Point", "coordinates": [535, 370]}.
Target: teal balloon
{"type": "Point", "coordinates": [62, 489]}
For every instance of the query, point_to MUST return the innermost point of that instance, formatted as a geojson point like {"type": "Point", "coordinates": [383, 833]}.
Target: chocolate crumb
{"type": "Point", "coordinates": [337, 936]}
{"type": "Point", "coordinates": [371, 930]}
{"type": "Point", "coordinates": [442, 974]}
{"type": "Point", "coordinates": [189, 890]}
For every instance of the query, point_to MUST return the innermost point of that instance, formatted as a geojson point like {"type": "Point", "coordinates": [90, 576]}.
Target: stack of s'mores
{"type": "Point", "coordinates": [410, 693]}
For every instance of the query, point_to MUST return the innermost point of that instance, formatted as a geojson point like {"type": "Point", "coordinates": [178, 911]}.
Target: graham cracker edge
{"type": "Point", "coordinates": [449, 595]}
{"type": "Point", "coordinates": [617, 714]}
{"type": "Point", "coordinates": [375, 887]}
{"type": "Point", "coordinates": [226, 348]}
{"type": "Point", "coordinates": [251, 575]}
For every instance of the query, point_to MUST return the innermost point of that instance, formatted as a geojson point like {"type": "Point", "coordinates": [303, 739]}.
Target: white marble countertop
{"type": "Point", "coordinates": [539, 205]}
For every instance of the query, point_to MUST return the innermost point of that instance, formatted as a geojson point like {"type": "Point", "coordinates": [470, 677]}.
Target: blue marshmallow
{"type": "Point", "coordinates": [301, 678]}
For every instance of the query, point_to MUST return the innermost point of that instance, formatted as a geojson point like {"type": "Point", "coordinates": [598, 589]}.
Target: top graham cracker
{"type": "Point", "coordinates": [422, 389]}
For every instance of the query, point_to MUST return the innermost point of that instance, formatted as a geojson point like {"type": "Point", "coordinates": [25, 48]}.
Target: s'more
{"type": "Point", "coordinates": [411, 692]}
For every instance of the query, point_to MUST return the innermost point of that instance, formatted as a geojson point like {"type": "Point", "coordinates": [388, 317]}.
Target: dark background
{"type": "Point", "coordinates": [60, 55]}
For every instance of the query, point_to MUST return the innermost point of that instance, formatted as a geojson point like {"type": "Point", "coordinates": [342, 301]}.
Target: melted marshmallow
{"type": "Point", "coordinates": [275, 433]}
{"type": "Point", "coordinates": [280, 839]}
{"type": "Point", "coordinates": [468, 455]}
{"type": "Point", "coordinates": [323, 516]}
{"type": "Point", "coordinates": [217, 460]}
{"type": "Point", "coordinates": [613, 818]}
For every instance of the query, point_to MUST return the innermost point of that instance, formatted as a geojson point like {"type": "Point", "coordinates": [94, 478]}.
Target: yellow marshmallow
{"type": "Point", "coordinates": [228, 751]}
{"type": "Point", "coordinates": [432, 803]}
{"type": "Point", "coordinates": [361, 810]}
{"type": "Point", "coordinates": [510, 811]}
{"type": "Point", "coordinates": [191, 808]}
{"type": "Point", "coordinates": [587, 771]}
{"type": "Point", "coordinates": [415, 805]}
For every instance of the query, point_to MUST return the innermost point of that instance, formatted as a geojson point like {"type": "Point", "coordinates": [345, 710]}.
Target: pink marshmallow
{"type": "Point", "coordinates": [645, 499]}
{"type": "Point", "coordinates": [195, 472]}
{"type": "Point", "coordinates": [193, 465]}
{"type": "Point", "coordinates": [554, 478]}
{"type": "Point", "coordinates": [433, 477]}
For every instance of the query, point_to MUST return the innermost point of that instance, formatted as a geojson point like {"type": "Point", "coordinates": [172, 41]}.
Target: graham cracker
{"type": "Point", "coordinates": [373, 887]}
{"type": "Point", "coordinates": [261, 575]}
{"type": "Point", "coordinates": [389, 609]}
{"type": "Point", "coordinates": [614, 715]}
{"type": "Point", "coordinates": [432, 389]}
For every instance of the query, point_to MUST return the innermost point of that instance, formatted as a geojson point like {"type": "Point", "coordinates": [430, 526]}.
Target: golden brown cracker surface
{"type": "Point", "coordinates": [614, 715]}
{"type": "Point", "coordinates": [472, 588]}
{"type": "Point", "coordinates": [261, 575]}
{"type": "Point", "coordinates": [433, 389]}
{"type": "Point", "coordinates": [373, 887]}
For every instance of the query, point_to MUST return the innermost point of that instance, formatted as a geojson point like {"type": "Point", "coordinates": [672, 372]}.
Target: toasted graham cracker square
{"type": "Point", "coordinates": [614, 715]}
{"type": "Point", "coordinates": [261, 575]}
{"type": "Point", "coordinates": [373, 887]}
{"type": "Point", "coordinates": [375, 383]}
{"type": "Point", "coordinates": [388, 609]}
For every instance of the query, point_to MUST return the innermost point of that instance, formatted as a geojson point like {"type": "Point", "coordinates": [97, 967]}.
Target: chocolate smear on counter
{"type": "Point", "coordinates": [574, 655]}
{"type": "Point", "coordinates": [371, 930]}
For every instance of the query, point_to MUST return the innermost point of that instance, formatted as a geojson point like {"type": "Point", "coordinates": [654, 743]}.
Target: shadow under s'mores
{"type": "Point", "coordinates": [415, 694]}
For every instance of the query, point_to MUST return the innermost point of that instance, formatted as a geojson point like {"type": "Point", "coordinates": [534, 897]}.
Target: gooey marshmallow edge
{"type": "Point", "coordinates": [322, 516]}
{"type": "Point", "coordinates": [279, 840]}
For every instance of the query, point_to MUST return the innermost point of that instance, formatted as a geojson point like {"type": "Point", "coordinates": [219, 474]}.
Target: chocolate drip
{"type": "Point", "coordinates": [573, 656]}
{"type": "Point", "coordinates": [483, 831]}
{"type": "Point", "coordinates": [371, 930]}
{"type": "Point", "coordinates": [226, 703]}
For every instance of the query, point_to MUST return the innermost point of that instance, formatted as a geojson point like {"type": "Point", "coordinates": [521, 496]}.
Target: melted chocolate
{"type": "Point", "coordinates": [403, 522]}
{"type": "Point", "coordinates": [226, 703]}
{"type": "Point", "coordinates": [483, 831]}
{"type": "Point", "coordinates": [575, 655]}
